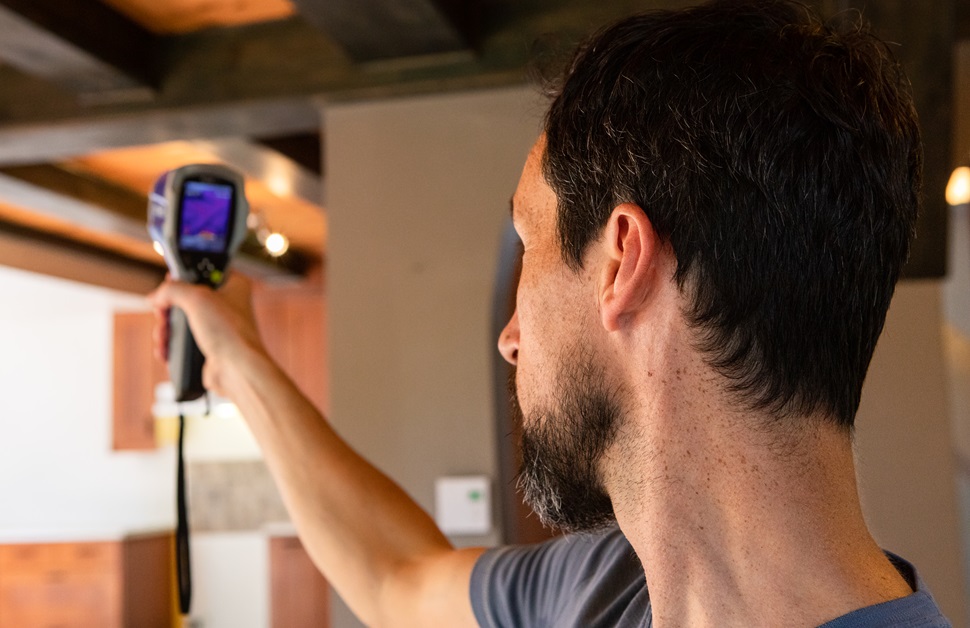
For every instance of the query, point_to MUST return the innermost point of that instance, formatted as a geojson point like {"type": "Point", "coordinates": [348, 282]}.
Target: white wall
{"type": "Point", "coordinates": [956, 339]}
{"type": "Point", "coordinates": [58, 473]}
{"type": "Point", "coordinates": [956, 288]}
{"type": "Point", "coordinates": [418, 193]}
{"type": "Point", "coordinates": [230, 580]}
{"type": "Point", "coordinates": [906, 461]}
{"type": "Point", "coordinates": [59, 478]}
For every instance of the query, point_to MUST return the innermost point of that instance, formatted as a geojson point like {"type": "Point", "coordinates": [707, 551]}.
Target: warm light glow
{"type": "Point", "coordinates": [277, 244]}
{"type": "Point", "coordinates": [279, 184]}
{"type": "Point", "coordinates": [958, 189]}
{"type": "Point", "coordinates": [158, 248]}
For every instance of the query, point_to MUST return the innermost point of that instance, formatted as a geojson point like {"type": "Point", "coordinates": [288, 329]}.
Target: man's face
{"type": "Point", "coordinates": [570, 413]}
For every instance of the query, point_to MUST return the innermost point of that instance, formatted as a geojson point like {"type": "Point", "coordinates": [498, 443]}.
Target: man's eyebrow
{"type": "Point", "coordinates": [512, 208]}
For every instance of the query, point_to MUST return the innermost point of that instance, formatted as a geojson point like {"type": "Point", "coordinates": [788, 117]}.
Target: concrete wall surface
{"type": "Point", "coordinates": [418, 192]}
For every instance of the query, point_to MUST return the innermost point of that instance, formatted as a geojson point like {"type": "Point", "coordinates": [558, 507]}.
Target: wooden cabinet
{"type": "Point", "coordinates": [299, 594]}
{"type": "Point", "coordinates": [136, 372]}
{"type": "Point", "coordinates": [292, 324]}
{"type": "Point", "coordinates": [104, 584]}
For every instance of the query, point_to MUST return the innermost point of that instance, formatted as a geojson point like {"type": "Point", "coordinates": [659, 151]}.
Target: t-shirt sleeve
{"type": "Point", "coordinates": [516, 586]}
{"type": "Point", "coordinates": [544, 584]}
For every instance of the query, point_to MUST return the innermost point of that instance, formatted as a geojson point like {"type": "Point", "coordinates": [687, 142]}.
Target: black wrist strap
{"type": "Point", "coordinates": [182, 562]}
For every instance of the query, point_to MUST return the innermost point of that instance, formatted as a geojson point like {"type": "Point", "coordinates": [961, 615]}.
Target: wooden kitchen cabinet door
{"type": "Point", "coordinates": [299, 594]}
{"type": "Point", "coordinates": [136, 372]}
{"type": "Point", "coordinates": [110, 584]}
{"type": "Point", "coordinates": [53, 604]}
{"type": "Point", "coordinates": [292, 324]}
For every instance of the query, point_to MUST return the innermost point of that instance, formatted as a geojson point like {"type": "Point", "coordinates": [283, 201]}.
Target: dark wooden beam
{"type": "Point", "coordinates": [305, 149]}
{"type": "Point", "coordinates": [272, 78]}
{"type": "Point", "coordinates": [36, 251]}
{"type": "Point", "coordinates": [83, 45]}
{"type": "Point", "coordinates": [61, 183]}
{"type": "Point", "coordinates": [56, 182]}
{"type": "Point", "coordinates": [256, 81]}
{"type": "Point", "coordinates": [51, 192]}
{"type": "Point", "coordinates": [259, 80]}
{"type": "Point", "coordinates": [83, 131]}
{"type": "Point", "coordinates": [256, 162]}
{"type": "Point", "coordinates": [962, 20]}
{"type": "Point", "coordinates": [961, 104]}
{"type": "Point", "coordinates": [370, 30]}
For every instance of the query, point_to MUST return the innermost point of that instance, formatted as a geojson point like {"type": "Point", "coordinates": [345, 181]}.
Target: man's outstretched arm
{"type": "Point", "coordinates": [379, 549]}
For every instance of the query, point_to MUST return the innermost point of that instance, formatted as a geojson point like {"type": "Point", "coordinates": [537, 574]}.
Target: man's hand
{"type": "Point", "coordinates": [222, 323]}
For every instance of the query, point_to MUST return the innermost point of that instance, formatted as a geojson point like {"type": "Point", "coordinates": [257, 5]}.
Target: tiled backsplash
{"type": "Point", "coordinates": [232, 496]}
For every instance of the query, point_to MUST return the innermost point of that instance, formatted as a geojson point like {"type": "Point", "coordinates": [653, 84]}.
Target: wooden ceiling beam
{"type": "Point", "coordinates": [92, 191]}
{"type": "Point", "coordinates": [257, 163]}
{"type": "Point", "coordinates": [371, 30]}
{"type": "Point", "coordinates": [961, 21]}
{"type": "Point", "coordinates": [283, 176]}
{"type": "Point", "coordinates": [39, 252]}
{"type": "Point", "coordinates": [305, 149]}
{"type": "Point", "coordinates": [82, 45]}
{"type": "Point", "coordinates": [42, 189]}
{"type": "Point", "coordinates": [32, 142]}
{"type": "Point", "coordinates": [271, 79]}
{"type": "Point", "coordinates": [254, 81]}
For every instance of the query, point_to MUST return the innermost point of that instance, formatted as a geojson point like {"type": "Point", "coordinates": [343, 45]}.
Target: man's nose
{"type": "Point", "coordinates": [508, 340]}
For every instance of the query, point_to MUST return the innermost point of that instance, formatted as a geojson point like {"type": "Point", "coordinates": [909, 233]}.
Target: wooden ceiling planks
{"type": "Point", "coordinates": [172, 17]}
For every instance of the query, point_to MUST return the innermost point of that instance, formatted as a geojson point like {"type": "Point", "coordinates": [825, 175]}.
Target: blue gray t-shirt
{"type": "Point", "coordinates": [596, 580]}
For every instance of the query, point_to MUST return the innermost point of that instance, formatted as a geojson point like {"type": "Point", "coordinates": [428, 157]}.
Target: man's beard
{"type": "Point", "coordinates": [562, 447]}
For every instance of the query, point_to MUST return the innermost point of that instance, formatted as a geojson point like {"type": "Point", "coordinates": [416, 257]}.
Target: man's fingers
{"type": "Point", "coordinates": [160, 334]}
{"type": "Point", "coordinates": [168, 295]}
{"type": "Point", "coordinates": [173, 293]}
{"type": "Point", "coordinates": [220, 320]}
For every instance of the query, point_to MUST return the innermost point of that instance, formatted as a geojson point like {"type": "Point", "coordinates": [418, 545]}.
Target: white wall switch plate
{"type": "Point", "coordinates": [463, 505]}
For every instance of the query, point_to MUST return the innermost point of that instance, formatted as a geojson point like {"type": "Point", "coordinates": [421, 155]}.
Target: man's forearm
{"type": "Point", "coordinates": [358, 526]}
{"type": "Point", "coordinates": [380, 551]}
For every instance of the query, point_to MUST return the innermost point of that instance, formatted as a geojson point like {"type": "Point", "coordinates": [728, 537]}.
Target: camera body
{"type": "Point", "coordinates": [197, 215]}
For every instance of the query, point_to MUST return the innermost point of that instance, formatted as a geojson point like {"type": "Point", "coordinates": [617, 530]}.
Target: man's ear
{"type": "Point", "coordinates": [629, 274]}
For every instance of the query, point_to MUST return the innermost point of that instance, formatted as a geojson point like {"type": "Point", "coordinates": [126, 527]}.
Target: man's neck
{"type": "Point", "coordinates": [735, 530]}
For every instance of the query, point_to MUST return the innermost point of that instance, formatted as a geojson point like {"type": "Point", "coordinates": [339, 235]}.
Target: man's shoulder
{"type": "Point", "coordinates": [597, 580]}
{"type": "Point", "coordinates": [917, 610]}
{"type": "Point", "coordinates": [585, 579]}
{"type": "Point", "coordinates": [585, 554]}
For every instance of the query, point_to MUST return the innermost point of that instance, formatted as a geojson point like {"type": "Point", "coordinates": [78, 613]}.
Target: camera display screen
{"type": "Point", "coordinates": [205, 216]}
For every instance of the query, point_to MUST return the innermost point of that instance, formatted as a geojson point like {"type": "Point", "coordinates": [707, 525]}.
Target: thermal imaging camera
{"type": "Point", "coordinates": [197, 215]}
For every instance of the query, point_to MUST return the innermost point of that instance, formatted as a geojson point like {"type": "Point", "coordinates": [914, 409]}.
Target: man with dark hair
{"type": "Point", "coordinates": [713, 224]}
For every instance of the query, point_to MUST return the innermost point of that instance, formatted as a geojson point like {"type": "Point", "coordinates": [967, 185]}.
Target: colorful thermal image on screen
{"type": "Point", "coordinates": [205, 216]}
